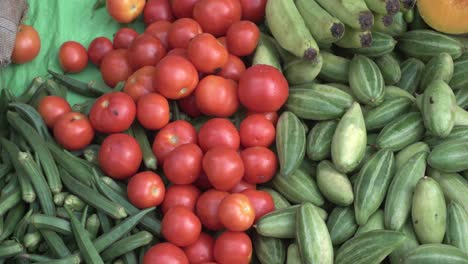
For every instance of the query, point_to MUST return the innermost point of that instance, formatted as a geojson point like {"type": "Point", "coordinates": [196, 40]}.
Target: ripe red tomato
{"type": "Point", "coordinates": [203, 183]}
{"type": "Point", "coordinates": [73, 57]}
{"type": "Point", "coordinates": [153, 111]}
{"type": "Point", "coordinates": [202, 250]}
{"type": "Point", "coordinates": [157, 10]}
{"type": "Point", "coordinates": [189, 105]}
{"type": "Point", "coordinates": [256, 130]}
{"type": "Point", "coordinates": [216, 16]}
{"type": "Point", "coordinates": [218, 132]}
{"type": "Point", "coordinates": [113, 112]}
{"type": "Point", "coordinates": [160, 30]}
{"type": "Point", "coordinates": [180, 226]}
{"type": "Point", "coordinates": [260, 164]}
{"type": "Point", "coordinates": [242, 38]}
{"type": "Point", "coordinates": [236, 212]}
{"type": "Point", "coordinates": [233, 69]}
{"type": "Point", "coordinates": [73, 131]}
{"type": "Point", "coordinates": [27, 45]}
{"type": "Point", "coordinates": [223, 167]}
{"type": "Point", "coordinates": [262, 88]}
{"type": "Point", "coordinates": [182, 31]}
{"type": "Point", "coordinates": [253, 10]}
{"type": "Point", "coordinates": [119, 156]}
{"type": "Point", "coordinates": [176, 77]}
{"type": "Point", "coordinates": [183, 165]}
{"type": "Point", "coordinates": [207, 54]}
{"type": "Point", "coordinates": [271, 116]}
{"type": "Point", "coordinates": [262, 202]}
{"type": "Point", "coordinates": [178, 52]}
{"type": "Point", "coordinates": [145, 50]}
{"type": "Point", "coordinates": [171, 136]}
{"type": "Point", "coordinates": [140, 83]}
{"type": "Point", "coordinates": [98, 48]}
{"type": "Point", "coordinates": [183, 8]}
{"type": "Point", "coordinates": [51, 107]}
{"type": "Point", "coordinates": [165, 253]}
{"type": "Point", "coordinates": [242, 185]}
{"type": "Point", "coordinates": [207, 208]}
{"type": "Point", "coordinates": [115, 67]}
{"type": "Point", "coordinates": [125, 11]}
{"type": "Point", "coordinates": [185, 195]}
{"type": "Point", "coordinates": [124, 37]}
{"type": "Point", "coordinates": [233, 248]}
{"type": "Point", "coordinates": [146, 189]}
{"type": "Point", "coordinates": [216, 96]}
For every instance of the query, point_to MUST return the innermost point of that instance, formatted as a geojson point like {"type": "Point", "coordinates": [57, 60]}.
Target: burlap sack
{"type": "Point", "coordinates": [11, 13]}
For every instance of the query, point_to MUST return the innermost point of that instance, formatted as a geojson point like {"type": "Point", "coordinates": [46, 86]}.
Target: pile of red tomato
{"type": "Point", "coordinates": [192, 52]}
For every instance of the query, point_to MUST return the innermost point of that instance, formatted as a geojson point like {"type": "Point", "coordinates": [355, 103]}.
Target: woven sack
{"type": "Point", "coordinates": [11, 14]}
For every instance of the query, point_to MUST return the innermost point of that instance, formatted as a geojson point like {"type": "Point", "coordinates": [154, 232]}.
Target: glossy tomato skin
{"type": "Point", "coordinates": [271, 116]}
{"type": "Point", "coordinates": [124, 37]}
{"type": "Point", "coordinates": [183, 165]}
{"type": "Point", "coordinates": [98, 48]}
{"type": "Point", "coordinates": [253, 10]}
{"type": "Point", "coordinates": [145, 50]}
{"type": "Point", "coordinates": [202, 250]}
{"type": "Point", "coordinates": [256, 130]}
{"type": "Point", "coordinates": [242, 38]}
{"type": "Point", "coordinates": [233, 69]}
{"type": "Point", "coordinates": [207, 54]}
{"type": "Point", "coordinates": [216, 16]}
{"type": "Point", "coordinates": [125, 11]}
{"type": "Point", "coordinates": [153, 111]}
{"type": "Point", "coordinates": [27, 45]}
{"type": "Point", "coordinates": [73, 131]}
{"type": "Point", "coordinates": [185, 195]}
{"type": "Point", "coordinates": [217, 96]}
{"type": "Point", "coordinates": [236, 212]}
{"type": "Point", "coordinates": [171, 136]}
{"type": "Point", "coordinates": [233, 248]}
{"type": "Point", "coordinates": [189, 105]}
{"type": "Point", "coordinates": [115, 67]}
{"type": "Point", "coordinates": [165, 253]}
{"type": "Point", "coordinates": [73, 57]}
{"type": "Point", "coordinates": [146, 189]}
{"type": "Point", "coordinates": [182, 31]}
{"type": "Point", "coordinates": [157, 10]}
{"type": "Point", "coordinates": [178, 52]}
{"type": "Point", "coordinates": [224, 167]}
{"type": "Point", "coordinates": [242, 185]}
{"type": "Point", "coordinates": [113, 112]}
{"type": "Point", "coordinates": [260, 164]}
{"type": "Point", "coordinates": [262, 88]}
{"type": "Point", "coordinates": [218, 132]}
{"type": "Point", "coordinates": [183, 8]}
{"type": "Point", "coordinates": [176, 77]}
{"type": "Point", "coordinates": [160, 30]}
{"type": "Point", "coordinates": [51, 108]}
{"type": "Point", "coordinates": [207, 208]}
{"type": "Point", "coordinates": [181, 226]}
{"type": "Point", "coordinates": [140, 83]}
{"type": "Point", "coordinates": [120, 156]}
{"type": "Point", "coordinates": [261, 201]}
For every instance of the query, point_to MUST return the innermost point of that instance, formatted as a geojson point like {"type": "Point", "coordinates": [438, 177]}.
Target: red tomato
{"type": "Point", "coordinates": [176, 77]}
{"type": "Point", "coordinates": [120, 156]}
{"type": "Point", "coordinates": [222, 41]}
{"type": "Point", "coordinates": [51, 107]}
{"type": "Point", "coordinates": [242, 38]}
{"type": "Point", "coordinates": [182, 31]}
{"type": "Point", "coordinates": [223, 167]}
{"type": "Point", "coordinates": [160, 30]}
{"type": "Point", "coordinates": [253, 10]}
{"type": "Point", "coordinates": [153, 111]}
{"type": "Point", "coordinates": [256, 130]}
{"type": "Point", "coordinates": [146, 189]}
{"type": "Point", "coordinates": [207, 54]}
{"type": "Point", "coordinates": [98, 48]}
{"type": "Point", "coordinates": [218, 132]}
{"type": "Point", "coordinates": [183, 8]}
{"type": "Point", "coordinates": [242, 185]}
{"type": "Point", "coordinates": [202, 250]}
{"type": "Point", "coordinates": [115, 67]}
{"type": "Point", "coordinates": [262, 88]}
{"type": "Point", "coordinates": [27, 45]}
{"type": "Point", "coordinates": [124, 37]}
{"type": "Point", "coordinates": [236, 212]}
{"type": "Point", "coordinates": [73, 57]}
{"type": "Point", "coordinates": [171, 136]}
{"type": "Point", "coordinates": [181, 226]}
{"type": "Point", "coordinates": [233, 248]}
{"type": "Point", "coordinates": [262, 202]}
{"type": "Point", "coordinates": [216, 96]}
{"type": "Point", "coordinates": [216, 16]}
{"type": "Point", "coordinates": [140, 83]}
{"type": "Point", "coordinates": [189, 105]}
{"type": "Point", "coordinates": [185, 195]}
{"type": "Point", "coordinates": [207, 208]}
{"type": "Point", "coordinates": [145, 50]}
{"type": "Point", "coordinates": [125, 11]}
{"type": "Point", "coordinates": [260, 164]}
{"type": "Point", "coordinates": [233, 69]}
{"type": "Point", "coordinates": [73, 131]}
{"type": "Point", "coordinates": [203, 183]}
{"type": "Point", "coordinates": [178, 52]}
{"type": "Point", "coordinates": [183, 165]}
{"type": "Point", "coordinates": [165, 253]}
{"type": "Point", "coordinates": [113, 112]}
{"type": "Point", "coordinates": [271, 116]}
{"type": "Point", "coordinates": [157, 10]}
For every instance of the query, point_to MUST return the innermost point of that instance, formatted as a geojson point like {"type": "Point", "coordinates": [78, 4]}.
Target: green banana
{"type": "Point", "coordinates": [384, 7]}
{"type": "Point", "coordinates": [396, 28]}
{"type": "Point", "coordinates": [353, 13]}
{"type": "Point", "coordinates": [266, 52]}
{"type": "Point", "coordinates": [302, 71]}
{"type": "Point", "coordinates": [355, 38]}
